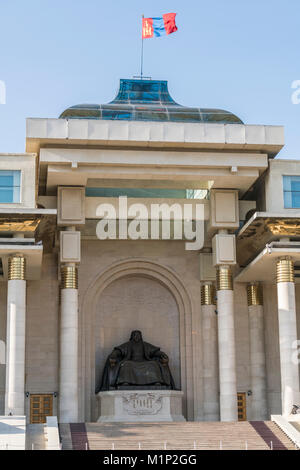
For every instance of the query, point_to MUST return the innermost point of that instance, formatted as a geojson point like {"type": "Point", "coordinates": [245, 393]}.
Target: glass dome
{"type": "Point", "coordinates": [147, 100]}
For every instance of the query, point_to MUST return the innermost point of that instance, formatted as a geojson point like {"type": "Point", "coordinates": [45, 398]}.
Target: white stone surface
{"type": "Point", "coordinates": [15, 350]}
{"type": "Point", "coordinates": [254, 134]}
{"type": "Point", "coordinates": [141, 406]}
{"type": "Point", "coordinates": [210, 364]}
{"type": "Point", "coordinates": [202, 158]}
{"type": "Point", "coordinates": [57, 128]}
{"type": "Point", "coordinates": [259, 408]}
{"type": "Point", "coordinates": [227, 362]}
{"type": "Point", "coordinates": [2, 353]}
{"type": "Point", "coordinates": [205, 135]}
{"type": "Point", "coordinates": [235, 133]}
{"type": "Point", "coordinates": [288, 428]}
{"type": "Point", "coordinates": [289, 366]}
{"type": "Point", "coordinates": [12, 432]}
{"type": "Point", "coordinates": [294, 418]}
{"type": "Point", "coordinates": [68, 375]}
{"type": "Point", "coordinates": [52, 433]}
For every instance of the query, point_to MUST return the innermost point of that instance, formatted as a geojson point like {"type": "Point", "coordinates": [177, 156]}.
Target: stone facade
{"type": "Point", "coordinates": [85, 295]}
{"type": "Point", "coordinates": [135, 301]}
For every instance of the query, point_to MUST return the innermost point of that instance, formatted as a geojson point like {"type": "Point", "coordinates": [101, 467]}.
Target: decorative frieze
{"type": "Point", "coordinates": [285, 270]}
{"type": "Point", "coordinates": [16, 268]}
{"type": "Point", "coordinates": [69, 277]}
{"type": "Point", "coordinates": [254, 294]}
{"type": "Point", "coordinates": [224, 278]}
{"type": "Point", "coordinates": [142, 404]}
{"type": "Point", "coordinates": [208, 294]}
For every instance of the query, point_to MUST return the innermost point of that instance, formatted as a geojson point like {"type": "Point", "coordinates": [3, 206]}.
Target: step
{"type": "Point", "coordinates": [259, 435]}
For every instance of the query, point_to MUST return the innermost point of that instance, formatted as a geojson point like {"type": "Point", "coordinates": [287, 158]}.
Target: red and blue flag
{"type": "Point", "coordinates": [159, 26]}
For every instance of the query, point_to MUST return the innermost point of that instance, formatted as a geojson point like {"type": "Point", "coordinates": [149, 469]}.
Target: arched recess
{"type": "Point", "coordinates": [133, 267]}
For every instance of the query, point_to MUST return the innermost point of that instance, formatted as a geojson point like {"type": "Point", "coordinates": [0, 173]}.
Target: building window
{"type": "Point", "coordinates": [10, 186]}
{"type": "Point", "coordinates": [291, 192]}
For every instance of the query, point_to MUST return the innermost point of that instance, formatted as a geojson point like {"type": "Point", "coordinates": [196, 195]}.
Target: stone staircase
{"type": "Point", "coordinates": [242, 435]}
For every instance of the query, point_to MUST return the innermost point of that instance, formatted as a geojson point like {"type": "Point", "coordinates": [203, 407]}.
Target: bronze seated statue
{"type": "Point", "coordinates": [136, 364]}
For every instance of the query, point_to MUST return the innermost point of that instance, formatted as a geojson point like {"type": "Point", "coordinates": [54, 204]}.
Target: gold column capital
{"type": "Point", "coordinates": [69, 277]}
{"type": "Point", "coordinates": [17, 268]}
{"type": "Point", "coordinates": [224, 278]}
{"type": "Point", "coordinates": [254, 294]}
{"type": "Point", "coordinates": [285, 270]}
{"type": "Point", "coordinates": [208, 294]}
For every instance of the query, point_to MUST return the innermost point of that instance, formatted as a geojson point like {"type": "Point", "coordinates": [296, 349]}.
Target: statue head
{"type": "Point", "coordinates": [136, 336]}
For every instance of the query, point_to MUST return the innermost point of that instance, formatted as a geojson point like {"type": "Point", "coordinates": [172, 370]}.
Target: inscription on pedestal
{"type": "Point", "coordinates": [137, 406]}
{"type": "Point", "coordinates": [142, 404]}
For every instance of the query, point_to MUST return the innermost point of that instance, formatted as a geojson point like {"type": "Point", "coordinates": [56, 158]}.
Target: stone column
{"type": "Point", "coordinates": [68, 374]}
{"type": "Point", "coordinates": [259, 409]}
{"type": "Point", "coordinates": [15, 339]}
{"type": "Point", "coordinates": [210, 352]}
{"type": "Point", "coordinates": [226, 343]}
{"type": "Point", "coordinates": [287, 334]}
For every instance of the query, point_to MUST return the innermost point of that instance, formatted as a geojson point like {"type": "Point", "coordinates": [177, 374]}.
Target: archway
{"type": "Point", "coordinates": [142, 269]}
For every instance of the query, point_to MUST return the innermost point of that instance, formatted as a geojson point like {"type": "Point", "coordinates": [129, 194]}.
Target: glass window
{"type": "Point", "coordinates": [291, 192]}
{"type": "Point", "coordinates": [10, 186]}
{"type": "Point", "coordinates": [147, 193]}
{"type": "Point", "coordinates": [135, 192]}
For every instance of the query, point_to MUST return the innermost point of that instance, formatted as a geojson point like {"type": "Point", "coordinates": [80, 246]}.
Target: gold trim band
{"type": "Point", "coordinates": [254, 294]}
{"type": "Point", "coordinates": [16, 268]}
{"type": "Point", "coordinates": [285, 270]}
{"type": "Point", "coordinates": [208, 294]}
{"type": "Point", "coordinates": [69, 277]}
{"type": "Point", "coordinates": [224, 278]}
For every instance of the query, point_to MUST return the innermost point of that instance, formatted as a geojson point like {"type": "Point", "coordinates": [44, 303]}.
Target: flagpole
{"type": "Point", "coordinates": [142, 51]}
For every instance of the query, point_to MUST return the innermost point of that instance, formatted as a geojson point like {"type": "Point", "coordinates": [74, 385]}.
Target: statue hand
{"type": "Point", "coordinates": [164, 358]}
{"type": "Point", "coordinates": [112, 362]}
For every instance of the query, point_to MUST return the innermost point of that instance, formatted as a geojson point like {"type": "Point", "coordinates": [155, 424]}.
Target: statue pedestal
{"type": "Point", "coordinates": [140, 406]}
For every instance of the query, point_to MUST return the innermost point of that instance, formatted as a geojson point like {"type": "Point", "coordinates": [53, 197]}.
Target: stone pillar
{"type": "Point", "coordinates": [68, 374]}
{"type": "Point", "coordinates": [15, 339]}
{"type": "Point", "coordinates": [210, 353]}
{"type": "Point", "coordinates": [259, 409]}
{"type": "Point", "coordinates": [226, 343]}
{"type": "Point", "coordinates": [287, 334]}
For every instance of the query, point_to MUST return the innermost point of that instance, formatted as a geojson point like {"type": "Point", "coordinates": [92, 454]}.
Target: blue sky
{"type": "Point", "coordinates": [237, 55]}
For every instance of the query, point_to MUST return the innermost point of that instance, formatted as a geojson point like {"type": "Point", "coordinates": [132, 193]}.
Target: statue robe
{"type": "Point", "coordinates": [147, 371]}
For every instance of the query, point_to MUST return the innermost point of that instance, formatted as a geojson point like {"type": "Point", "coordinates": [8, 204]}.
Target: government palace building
{"type": "Point", "coordinates": [143, 214]}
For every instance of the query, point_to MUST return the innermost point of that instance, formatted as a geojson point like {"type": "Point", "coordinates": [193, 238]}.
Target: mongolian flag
{"type": "Point", "coordinates": [155, 27]}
